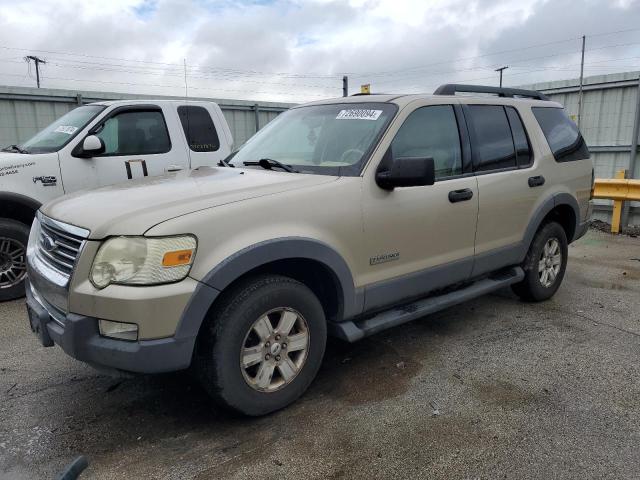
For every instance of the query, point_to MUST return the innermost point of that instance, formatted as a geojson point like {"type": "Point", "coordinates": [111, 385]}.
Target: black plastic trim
{"type": "Point", "coordinates": [453, 88]}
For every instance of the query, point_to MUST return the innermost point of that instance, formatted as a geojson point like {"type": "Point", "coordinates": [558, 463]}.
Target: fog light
{"type": "Point", "coordinates": [122, 331]}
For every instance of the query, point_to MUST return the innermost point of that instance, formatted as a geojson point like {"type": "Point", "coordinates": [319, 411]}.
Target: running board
{"type": "Point", "coordinates": [352, 331]}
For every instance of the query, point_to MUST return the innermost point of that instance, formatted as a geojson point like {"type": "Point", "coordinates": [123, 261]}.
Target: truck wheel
{"type": "Point", "coordinates": [263, 345]}
{"type": "Point", "coordinates": [13, 258]}
{"type": "Point", "coordinates": [544, 265]}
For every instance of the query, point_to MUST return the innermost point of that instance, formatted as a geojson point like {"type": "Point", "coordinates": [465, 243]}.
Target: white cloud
{"type": "Point", "coordinates": [240, 49]}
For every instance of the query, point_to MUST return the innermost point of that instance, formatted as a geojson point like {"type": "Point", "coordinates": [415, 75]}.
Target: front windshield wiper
{"type": "Point", "coordinates": [14, 148]}
{"type": "Point", "coordinates": [224, 163]}
{"type": "Point", "coordinates": [269, 163]}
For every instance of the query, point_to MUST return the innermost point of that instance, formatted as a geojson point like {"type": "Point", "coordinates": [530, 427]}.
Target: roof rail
{"type": "Point", "coordinates": [452, 88]}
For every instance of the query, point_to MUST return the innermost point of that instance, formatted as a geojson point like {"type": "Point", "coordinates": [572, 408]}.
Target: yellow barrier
{"type": "Point", "coordinates": [618, 189]}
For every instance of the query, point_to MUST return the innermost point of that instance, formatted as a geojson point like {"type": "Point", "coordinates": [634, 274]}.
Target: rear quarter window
{"type": "Point", "coordinates": [199, 128]}
{"type": "Point", "coordinates": [564, 138]}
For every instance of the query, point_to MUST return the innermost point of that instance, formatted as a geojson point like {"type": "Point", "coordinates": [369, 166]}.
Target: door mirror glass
{"type": "Point", "coordinates": [92, 146]}
{"type": "Point", "coordinates": [407, 172]}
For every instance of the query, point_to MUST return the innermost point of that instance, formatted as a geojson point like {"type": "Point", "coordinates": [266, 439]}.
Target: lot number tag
{"type": "Point", "coordinates": [68, 129]}
{"type": "Point", "coordinates": [358, 114]}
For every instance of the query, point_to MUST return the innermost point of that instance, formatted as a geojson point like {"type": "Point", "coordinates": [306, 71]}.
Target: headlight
{"type": "Point", "coordinates": [143, 261]}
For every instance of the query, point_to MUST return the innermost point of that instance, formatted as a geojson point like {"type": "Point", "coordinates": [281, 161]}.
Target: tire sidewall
{"type": "Point", "coordinates": [537, 291]}
{"type": "Point", "coordinates": [230, 335]}
{"type": "Point", "coordinates": [20, 232]}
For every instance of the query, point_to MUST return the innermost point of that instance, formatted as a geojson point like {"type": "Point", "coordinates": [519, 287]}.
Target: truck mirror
{"type": "Point", "coordinates": [92, 145]}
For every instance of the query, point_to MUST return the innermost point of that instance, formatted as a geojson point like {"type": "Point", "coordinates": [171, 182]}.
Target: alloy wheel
{"type": "Point", "coordinates": [13, 262]}
{"type": "Point", "coordinates": [274, 350]}
{"type": "Point", "coordinates": [550, 262]}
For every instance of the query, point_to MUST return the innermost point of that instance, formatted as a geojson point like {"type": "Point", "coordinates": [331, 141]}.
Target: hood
{"type": "Point", "coordinates": [133, 207]}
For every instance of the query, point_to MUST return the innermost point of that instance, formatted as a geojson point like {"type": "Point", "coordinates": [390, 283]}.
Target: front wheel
{"type": "Point", "coordinates": [263, 345]}
{"type": "Point", "coordinates": [13, 258]}
{"type": "Point", "coordinates": [544, 265]}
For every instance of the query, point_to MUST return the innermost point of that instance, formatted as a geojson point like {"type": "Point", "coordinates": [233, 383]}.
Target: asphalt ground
{"type": "Point", "coordinates": [494, 388]}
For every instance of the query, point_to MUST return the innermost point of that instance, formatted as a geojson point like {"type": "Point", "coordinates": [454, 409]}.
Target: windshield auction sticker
{"type": "Point", "coordinates": [68, 129]}
{"type": "Point", "coordinates": [358, 114]}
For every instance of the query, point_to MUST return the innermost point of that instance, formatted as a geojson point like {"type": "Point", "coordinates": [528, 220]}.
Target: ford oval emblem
{"type": "Point", "coordinates": [48, 243]}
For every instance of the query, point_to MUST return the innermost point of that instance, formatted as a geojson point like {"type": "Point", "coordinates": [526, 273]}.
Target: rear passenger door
{"type": "Point", "coordinates": [503, 163]}
{"type": "Point", "coordinates": [202, 137]}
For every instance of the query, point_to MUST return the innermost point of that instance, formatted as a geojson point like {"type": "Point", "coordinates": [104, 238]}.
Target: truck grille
{"type": "Point", "coordinates": [59, 244]}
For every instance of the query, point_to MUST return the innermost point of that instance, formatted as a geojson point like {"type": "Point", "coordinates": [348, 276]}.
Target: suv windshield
{"type": "Point", "coordinates": [323, 139]}
{"type": "Point", "coordinates": [60, 132]}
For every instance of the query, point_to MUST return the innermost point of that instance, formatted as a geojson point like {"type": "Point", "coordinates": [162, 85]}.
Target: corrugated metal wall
{"type": "Point", "coordinates": [25, 111]}
{"type": "Point", "coordinates": [609, 109]}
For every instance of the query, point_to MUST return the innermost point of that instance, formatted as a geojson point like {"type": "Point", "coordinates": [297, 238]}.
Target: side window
{"type": "Point", "coordinates": [199, 129]}
{"type": "Point", "coordinates": [493, 139]}
{"type": "Point", "coordinates": [431, 132]}
{"type": "Point", "coordinates": [562, 135]}
{"type": "Point", "coordinates": [135, 133]}
{"type": "Point", "coordinates": [520, 140]}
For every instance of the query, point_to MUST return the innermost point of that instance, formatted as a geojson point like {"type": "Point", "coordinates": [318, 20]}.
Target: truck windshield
{"type": "Point", "coordinates": [62, 131]}
{"type": "Point", "coordinates": [323, 139]}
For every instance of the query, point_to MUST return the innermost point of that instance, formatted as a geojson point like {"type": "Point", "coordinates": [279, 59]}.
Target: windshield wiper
{"type": "Point", "coordinates": [269, 163]}
{"type": "Point", "coordinates": [224, 163]}
{"type": "Point", "coordinates": [14, 148]}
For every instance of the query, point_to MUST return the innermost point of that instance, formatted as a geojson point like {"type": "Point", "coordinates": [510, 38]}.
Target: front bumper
{"type": "Point", "coordinates": [79, 337]}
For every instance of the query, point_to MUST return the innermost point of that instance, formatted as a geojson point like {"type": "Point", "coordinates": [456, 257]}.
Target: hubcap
{"type": "Point", "coordinates": [274, 350]}
{"type": "Point", "coordinates": [549, 263]}
{"type": "Point", "coordinates": [13, 265]}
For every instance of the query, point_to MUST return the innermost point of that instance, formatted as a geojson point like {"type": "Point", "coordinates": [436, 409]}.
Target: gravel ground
{"type": "Point", "coordinates": [493, 388]}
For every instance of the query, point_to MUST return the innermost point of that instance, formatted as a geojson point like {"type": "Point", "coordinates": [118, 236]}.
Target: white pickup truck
{"type": "Point", "coordinates": [95, 145]}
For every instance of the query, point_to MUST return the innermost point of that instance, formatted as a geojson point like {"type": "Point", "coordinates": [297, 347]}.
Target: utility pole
{"type": "Point", "coordinates": [501, 70]}
{"type": "Point", "coordinates": [345, 86]}
{"type": "Point", "coordinates": [37, 61]}
{"type": "Point", "coordinates": [584, 39]}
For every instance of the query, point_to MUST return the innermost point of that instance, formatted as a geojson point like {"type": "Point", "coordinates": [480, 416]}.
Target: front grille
{"type": "Point", "coordinates": [59, 245]}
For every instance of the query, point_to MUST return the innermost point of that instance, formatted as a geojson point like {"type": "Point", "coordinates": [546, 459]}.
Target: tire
{"type": "Point", "coordinates": [549, 242]}
{"type": "Point", "coordinates": [13, 258]}
{"type": "Point", "coordinates": [237, 327]}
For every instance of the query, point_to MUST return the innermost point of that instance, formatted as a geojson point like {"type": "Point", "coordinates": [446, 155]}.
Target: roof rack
{"type": "Point", "coordinates": [452, 88]}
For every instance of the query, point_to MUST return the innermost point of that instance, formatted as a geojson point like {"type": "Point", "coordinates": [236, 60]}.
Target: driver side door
{"type": "Point", "coordinates": [422, 238]}
{"type": "Point", "coordinates": [137, 144]}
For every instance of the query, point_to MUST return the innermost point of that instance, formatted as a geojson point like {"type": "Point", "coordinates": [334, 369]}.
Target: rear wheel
{"type": "Point", "coordinates": [263, 346]}
{"type": "Point", "coordinates": [544, 265]}
{"type": "Point", "coordinates": [13, 258]}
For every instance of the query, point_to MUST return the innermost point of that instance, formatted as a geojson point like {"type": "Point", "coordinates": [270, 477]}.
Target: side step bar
{"type": "Point", "coordinates": [354, 330]}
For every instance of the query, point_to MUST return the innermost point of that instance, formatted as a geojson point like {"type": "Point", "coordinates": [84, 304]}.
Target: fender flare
{"type": "Point", "coordinates": [543, 210]}
{"type": "Point", "coordinates": [257, 255]}
{"type": "Point", "coordinates": [19, 199]}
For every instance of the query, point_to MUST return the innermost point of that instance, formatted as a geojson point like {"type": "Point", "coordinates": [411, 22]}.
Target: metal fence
{"type": "Point", "coordinates": [25, 111]}
{"type": "Point", "coordinates": [610, 108]}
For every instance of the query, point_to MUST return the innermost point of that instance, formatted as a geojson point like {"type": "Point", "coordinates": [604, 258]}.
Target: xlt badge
{"type": "Point", "coordinates": [383, 258]}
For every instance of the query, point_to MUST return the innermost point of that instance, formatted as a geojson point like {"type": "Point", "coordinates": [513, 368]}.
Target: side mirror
{"type": "Point", "coordinates": [91, 146]}
{"type": "Point", "coordinates": [407, 172]}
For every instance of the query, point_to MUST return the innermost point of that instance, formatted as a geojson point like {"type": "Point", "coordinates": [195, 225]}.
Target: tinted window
{"type": "Point", "coordinates": [562, 135]}
{"type": "Point", "coordinates": [523, 149]}
{"type": "Point", "coordinates": [431, 132]}
{"type": "Point", "coordinates": [492, 134]}
{"type": "Point", "coordinates": [199, 129]}
{"type": "Point", "coordinates": [135, 133]}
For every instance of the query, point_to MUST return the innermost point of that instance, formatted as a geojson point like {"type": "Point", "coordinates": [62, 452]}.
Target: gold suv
{"type": "Point", "coordinates": [341, 217]}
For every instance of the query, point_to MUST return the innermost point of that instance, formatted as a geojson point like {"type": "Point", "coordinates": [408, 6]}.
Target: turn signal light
{"type": "Point", "coordinates": [177, 258]}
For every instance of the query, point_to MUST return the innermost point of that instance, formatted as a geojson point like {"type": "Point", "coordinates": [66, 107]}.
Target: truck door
{"type": "Point", "coordinates": [137, 144]}
{"type": "Point", "coordinates": [207, 144]}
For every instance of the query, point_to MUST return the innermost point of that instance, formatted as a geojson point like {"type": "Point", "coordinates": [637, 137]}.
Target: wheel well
{"type": "Point", "coordinates": [16, 210]}
{"type": "Point", "coordinates": [566, 217]}
{"type": "Point", "coordinates": [315, 275]}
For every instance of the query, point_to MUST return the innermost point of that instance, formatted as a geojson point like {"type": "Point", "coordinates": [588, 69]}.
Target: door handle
{"type": "Point", "coordinates": [460, 195]}
{"type": "Point", "coordinates": [536, 181]}
{"type": "Point", "coordinates": [173, 168]}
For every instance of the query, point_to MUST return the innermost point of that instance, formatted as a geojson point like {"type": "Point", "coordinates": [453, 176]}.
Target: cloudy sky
{"type": "Point", "coordinates": [298, 50]}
